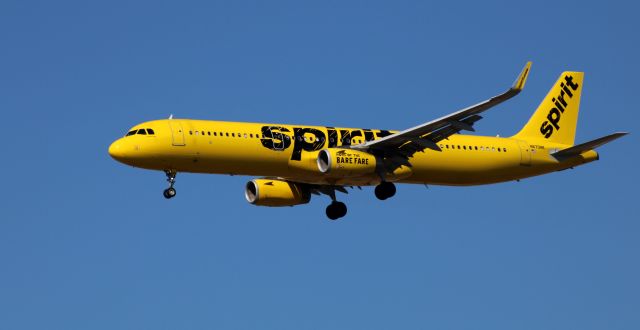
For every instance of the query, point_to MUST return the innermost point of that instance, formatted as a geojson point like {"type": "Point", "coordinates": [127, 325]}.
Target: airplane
{"type": "Point", "coordinates": [294, 162]}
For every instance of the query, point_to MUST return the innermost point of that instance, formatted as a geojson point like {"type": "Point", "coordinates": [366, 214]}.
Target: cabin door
{"type": "Point", "coordinates": [177, 133]}
{"type": "Point", "coordinates": [525, 153]}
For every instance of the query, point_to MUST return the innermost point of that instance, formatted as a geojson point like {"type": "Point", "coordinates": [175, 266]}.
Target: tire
{"type": "Point", "coordinates": [385, 190]}
{"type": "Point", "coordinates": [341, 208]}
{"type": "Point", "coordinates": [336, 210]}
{"type": "Point", "coordinates": [391, 189]}
{"type": "Point", "coordinates": [380, 193]}
{"type": "Point", "coordinates": [169, 193]}
{"type": "Point", "coordinates": [331, 212]}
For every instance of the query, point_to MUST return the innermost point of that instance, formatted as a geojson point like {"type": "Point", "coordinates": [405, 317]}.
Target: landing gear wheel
{"type": "Point", "coordinates": [171, 178]}
{"type": "Point", "coordinates": [336, 210]}
{"type": "Point", "coordinates": [385, 190]}
{"type": "Point", "coordinates": [169, 193]}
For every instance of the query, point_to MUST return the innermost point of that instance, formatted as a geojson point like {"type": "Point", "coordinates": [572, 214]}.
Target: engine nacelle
{"type": "Point", "coordinates": [266, 192]}
{"type": "Point", "coordinates": [341, 163]}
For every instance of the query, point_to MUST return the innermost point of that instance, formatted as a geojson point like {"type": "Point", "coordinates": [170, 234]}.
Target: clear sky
{"type": "Point", "coordinates": [88, 243]}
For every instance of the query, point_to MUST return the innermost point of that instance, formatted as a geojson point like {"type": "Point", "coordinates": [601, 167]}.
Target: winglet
{"type": "Point", "coordinates": [518, 85]}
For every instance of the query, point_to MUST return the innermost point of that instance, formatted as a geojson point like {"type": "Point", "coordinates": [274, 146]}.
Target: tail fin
{"type": "Point", "coordinates": [556, 118]}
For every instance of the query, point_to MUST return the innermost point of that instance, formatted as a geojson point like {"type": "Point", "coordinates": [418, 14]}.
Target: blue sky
{"type": "Point", "coordinates": [87, 243]}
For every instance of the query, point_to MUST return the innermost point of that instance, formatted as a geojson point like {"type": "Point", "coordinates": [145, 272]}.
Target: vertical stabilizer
{"type": "Point", "coordinates": [556, 118]}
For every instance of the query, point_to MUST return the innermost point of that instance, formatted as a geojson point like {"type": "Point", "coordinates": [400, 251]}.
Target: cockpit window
{"type": "Point", "coordinates": [142, 131]}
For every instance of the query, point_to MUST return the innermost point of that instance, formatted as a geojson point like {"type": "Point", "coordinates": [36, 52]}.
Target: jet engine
{"type": "Point", "coordinates": [341, 163]}
{"type": "Point", "coordinates": [268, 192]}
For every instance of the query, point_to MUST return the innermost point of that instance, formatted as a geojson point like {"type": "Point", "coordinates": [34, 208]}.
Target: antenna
{"type": "Point", "coordinates": [171, 116]}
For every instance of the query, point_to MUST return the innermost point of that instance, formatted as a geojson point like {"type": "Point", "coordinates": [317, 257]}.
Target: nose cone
{"type": "Point", "coordinates": [117, 150]}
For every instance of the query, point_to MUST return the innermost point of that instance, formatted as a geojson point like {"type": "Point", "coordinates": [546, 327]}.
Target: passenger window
{"type": "Point", "coordinates": [190, 133]}
{"type": "Point", "coordinates": [215, 134]}
{"type": "Point", "coordinates": [464, 147]}
{"type": "Point", "coordinates": [251, 135]}
{"type": "Point", "coordinates": [150, 131]}
{"type": "Point", "coordinates": [233, 134]}
{"type": "Point", "coordinates": [142, 131]}
{"type": "Point", "coordinates": [208, 133]}
{"type": "Point", "coordinates": [499, 150]}
{"type": "Point", "coordinates": [245, 135]}
{"type": "Point", "coordinates": [504, 149]}
{"type": "Point", "coordinates": [458, 147]}
{"type": "Point", "coordinates": [476, 147]}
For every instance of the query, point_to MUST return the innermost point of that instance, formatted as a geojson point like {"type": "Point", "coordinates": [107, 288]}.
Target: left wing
{"type": "Point", "coordinates": [402, 145]}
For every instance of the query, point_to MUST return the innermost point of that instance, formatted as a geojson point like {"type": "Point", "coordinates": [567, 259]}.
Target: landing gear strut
{"type": "Point", "coordinates": [336, 209]}
{"type": "Point", "coordinates": [171, 178]}
{"type": "Point", "coordinates": [385, 190]}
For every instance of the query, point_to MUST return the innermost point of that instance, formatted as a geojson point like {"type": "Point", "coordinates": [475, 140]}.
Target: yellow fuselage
{"type": "Point", "coordinates": [290, 152]}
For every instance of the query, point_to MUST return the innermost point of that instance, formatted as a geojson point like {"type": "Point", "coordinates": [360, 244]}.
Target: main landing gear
{"type": "Point", "coordinates": [171, 178]}
{"type": "Point", "coordinates": [385, 190]}
{"type": "Point", "coordinates": [335, 210]}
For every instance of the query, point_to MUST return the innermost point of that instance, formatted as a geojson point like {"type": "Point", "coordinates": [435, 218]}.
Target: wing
{"type": "Point", "coordinates": [400, 146]}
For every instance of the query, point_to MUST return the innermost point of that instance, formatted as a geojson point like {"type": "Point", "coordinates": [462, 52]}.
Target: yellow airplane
{"type": "Point", "coordinates": [296, 161]}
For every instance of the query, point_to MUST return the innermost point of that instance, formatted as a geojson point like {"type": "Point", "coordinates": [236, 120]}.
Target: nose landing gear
{"type": "Point", "coordinates": [171, 178]}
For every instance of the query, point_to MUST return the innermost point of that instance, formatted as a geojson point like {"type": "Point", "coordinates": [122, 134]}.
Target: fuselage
{"type": "Point", "coordinates": [290, 151]}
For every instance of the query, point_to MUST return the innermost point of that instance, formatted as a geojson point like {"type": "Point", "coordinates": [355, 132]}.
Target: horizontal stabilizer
{"type": "Point", "coordinates": [580, 148]}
